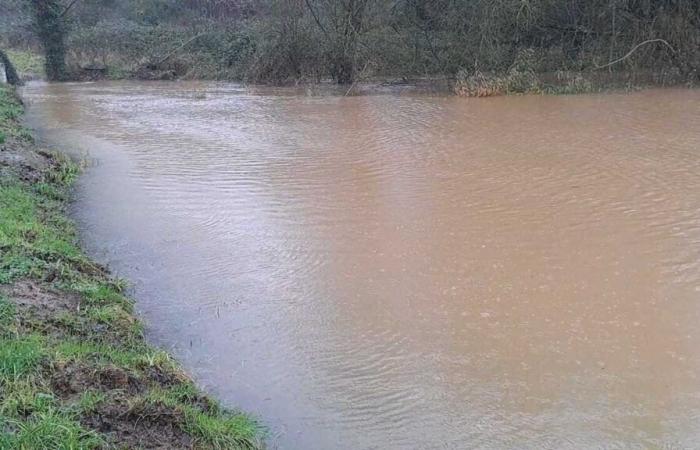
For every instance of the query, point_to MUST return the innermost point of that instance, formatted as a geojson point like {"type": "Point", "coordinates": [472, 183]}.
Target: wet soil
{"type": "Point", "coordinates": [124, 417]}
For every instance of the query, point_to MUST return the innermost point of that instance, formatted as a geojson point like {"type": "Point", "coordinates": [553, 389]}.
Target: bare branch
{"type": "Point", "coordinates": [65, 11]}
{"type": "Point", "coordinates": [318, 21]}
{"type": "Point", "coordinates": [634, 49]}
{"type": "Point", "coordinates": [166, 57]}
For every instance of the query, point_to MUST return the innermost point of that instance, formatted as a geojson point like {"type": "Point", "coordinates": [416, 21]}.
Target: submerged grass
{"type": "Point", "coordinates": [75, 370]}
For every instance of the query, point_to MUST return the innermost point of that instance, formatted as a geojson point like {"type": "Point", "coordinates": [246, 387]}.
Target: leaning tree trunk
{"type": "Point", "coordinates": [10, 73]}
{"type": "Point", "coordinates": [51, 30]}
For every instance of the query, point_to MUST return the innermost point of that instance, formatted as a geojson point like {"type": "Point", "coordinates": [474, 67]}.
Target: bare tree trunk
{"type": "Point", "coordinates": [51, 30]}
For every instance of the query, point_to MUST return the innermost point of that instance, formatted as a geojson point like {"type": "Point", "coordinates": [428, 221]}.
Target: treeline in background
{"type": "Point", "coordinates": [480, 45]}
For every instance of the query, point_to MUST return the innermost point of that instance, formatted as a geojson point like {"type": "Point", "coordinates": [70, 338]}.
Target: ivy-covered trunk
{"type": "Point", "coordinates": [51, 31]}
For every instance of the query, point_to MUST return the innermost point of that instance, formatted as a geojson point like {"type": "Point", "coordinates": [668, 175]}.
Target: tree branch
{"type": "Point", "coordinates": [318, 21]}
{"type": "Point", "coordinates": [65, 11]}
{"type": "Point", "coordinates": [166, 57]}
{"type": "Point", "coordinates": [634, 49]}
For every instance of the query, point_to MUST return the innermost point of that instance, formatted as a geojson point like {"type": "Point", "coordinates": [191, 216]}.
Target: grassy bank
{"type": "Point", "coordinates": [75, 371]}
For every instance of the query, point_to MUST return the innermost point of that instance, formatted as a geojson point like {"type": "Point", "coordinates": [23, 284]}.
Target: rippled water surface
{"type": "Point", "coordinates": [402, 271]}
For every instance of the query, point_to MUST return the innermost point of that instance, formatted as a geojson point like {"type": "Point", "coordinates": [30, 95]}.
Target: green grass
{"type": "Point", "coordinates": [221, 431]}
{"type": "Point", "coordinates": [90, 401]}
{"type": "Point", "coordinates": [10, 108]}
{"type": "Point", "coordinates": [10, 111]}
{"type": "Point", "coordinates": [33, 238]}
{"type": "Point", "coordinates": [102, 293]}
{"type": "Point", "coordinates": [52, 429]}
{"type": "Point", "coordinates": [215, 429]}
{"type": "Point", "coordinates": [101, 336]}
{"type": "Point", "coordinates": [19, 356]}
{"type": "Point", "coordinates": [7, 314]}
{"type": "Point", "coordinates": [134, 358]}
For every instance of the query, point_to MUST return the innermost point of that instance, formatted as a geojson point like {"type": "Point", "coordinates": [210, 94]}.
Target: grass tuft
{"type": "Point", "coordinates": [19, 356]}
{"type": "Point", "coordinates": [90, 401]}
{"type": "Point", "coordinates": [213, 428]}
{"type": "Point", "coordinates": [7, 313]}
{"type": "Point", "coordinates": [52, 429]}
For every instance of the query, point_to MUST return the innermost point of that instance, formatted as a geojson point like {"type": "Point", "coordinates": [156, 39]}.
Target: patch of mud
{"type": "Point", "coordinates": [70, 380]}
{"type": "Point", "coordinates": [39, 301]}
{"type": "Point", "coordinates": [165, 378]}
{"type": "Point", "coordinates": [20, 158]}
{"type": "Point", "coordinates": [143, 425]}
{"type": "Point", "coordinates": [125, 419]}
{"type": "Point", "coordinates": [44, 309]}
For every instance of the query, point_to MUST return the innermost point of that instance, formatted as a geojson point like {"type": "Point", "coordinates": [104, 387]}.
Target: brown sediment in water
{"type": "Point", "coordinates": [405, 270]}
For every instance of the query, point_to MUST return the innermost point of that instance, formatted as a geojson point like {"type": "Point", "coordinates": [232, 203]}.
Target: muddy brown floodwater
{"type": "Point", "coordinates": [406, 271]}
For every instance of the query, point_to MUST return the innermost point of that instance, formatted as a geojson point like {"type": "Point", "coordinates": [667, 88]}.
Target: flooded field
{"type": "Point", "coordinates": [400, 270]}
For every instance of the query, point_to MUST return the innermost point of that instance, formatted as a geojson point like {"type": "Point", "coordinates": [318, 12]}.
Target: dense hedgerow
{"type": "Point", "coordinates": [307, 40]}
